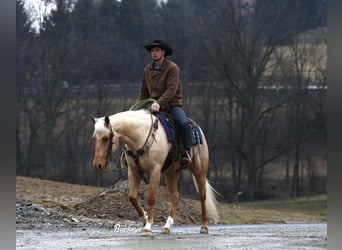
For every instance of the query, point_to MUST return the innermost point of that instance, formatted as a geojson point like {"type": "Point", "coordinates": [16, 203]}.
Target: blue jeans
{"type": "Point", "coordinates": [181, 121]}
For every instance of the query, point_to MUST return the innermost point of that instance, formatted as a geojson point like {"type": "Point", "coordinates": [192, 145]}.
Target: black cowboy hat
{"type": "Point", "coordinates": [160, 44]}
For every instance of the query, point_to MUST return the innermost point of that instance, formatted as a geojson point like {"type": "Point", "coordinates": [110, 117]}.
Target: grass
{"type": "Point", "coordinates": [310, 204]}
{"type": "Point", "coordinates": [300, 210]}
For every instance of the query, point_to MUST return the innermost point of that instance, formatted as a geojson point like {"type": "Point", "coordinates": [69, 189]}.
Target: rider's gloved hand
{"type": "Point", "coordinates": [155, 107]}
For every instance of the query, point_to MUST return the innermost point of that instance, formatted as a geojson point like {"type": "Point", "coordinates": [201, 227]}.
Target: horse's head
{"type": "Point", "coordinates": [103, 137]}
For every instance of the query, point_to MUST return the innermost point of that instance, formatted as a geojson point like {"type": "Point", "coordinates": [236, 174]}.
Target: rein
{"type": "Point", "coordinates": [110, 145]}
{"type": "Point", "coordinates": [137, 153]}
{"type": "Point", "coordinates": [144, 149]}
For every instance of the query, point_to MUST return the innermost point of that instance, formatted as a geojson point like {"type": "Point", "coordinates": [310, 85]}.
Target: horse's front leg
{"type": "Point", "coordinates": [171, 180]}
{"type": "Point", "coordinates": [152, 197]}
{"type": "Point", "coordinates": [134, 184]}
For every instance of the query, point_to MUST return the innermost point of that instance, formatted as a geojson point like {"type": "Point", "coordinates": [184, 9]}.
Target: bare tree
{"type": "Point", "coordinates": [51, 96]}
{"type": "Point", "coordinates": [302, 64]}
{"type": "Point", "coordinates": [240, 49]}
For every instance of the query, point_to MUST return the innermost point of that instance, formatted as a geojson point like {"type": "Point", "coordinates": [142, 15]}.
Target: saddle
{"type": "Point", "coordinates": [172, 134]}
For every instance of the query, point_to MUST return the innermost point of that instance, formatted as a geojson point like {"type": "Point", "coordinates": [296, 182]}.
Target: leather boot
{"type": "Point", "coordinates": [186, 159]}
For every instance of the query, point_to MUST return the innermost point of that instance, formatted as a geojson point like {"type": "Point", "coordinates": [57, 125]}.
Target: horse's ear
{"type": "Point", "coordinates": [107, 120]}
{"type": "Point", "coordinates": [93, 119]}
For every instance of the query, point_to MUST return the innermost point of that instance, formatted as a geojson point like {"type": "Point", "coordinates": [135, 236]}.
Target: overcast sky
{"type": "Point", "coordinates": [37, 9]}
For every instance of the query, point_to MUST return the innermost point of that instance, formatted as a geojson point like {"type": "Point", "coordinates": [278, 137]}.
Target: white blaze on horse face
{"type": "Point", "coordinates": [101, 130]}
{"type": "Point", "coordinates": [101, 146]}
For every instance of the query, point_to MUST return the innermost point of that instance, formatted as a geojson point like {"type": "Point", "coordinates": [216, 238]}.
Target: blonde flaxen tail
{"type": "Point", "coordinates": [210, 202]}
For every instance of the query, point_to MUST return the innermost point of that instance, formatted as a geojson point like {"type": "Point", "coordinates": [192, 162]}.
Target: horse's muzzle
{"type": "Point", "coordinates": [100, 166]}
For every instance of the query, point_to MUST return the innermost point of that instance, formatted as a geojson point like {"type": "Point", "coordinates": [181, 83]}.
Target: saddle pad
{"type": "Point", "coordinates": [196, 135]}
{"type": "Point", "coordinates": [169, 131]}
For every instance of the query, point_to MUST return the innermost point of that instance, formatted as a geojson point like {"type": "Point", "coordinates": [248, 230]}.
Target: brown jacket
{"type": "Point", "coordinates": [163, 85]}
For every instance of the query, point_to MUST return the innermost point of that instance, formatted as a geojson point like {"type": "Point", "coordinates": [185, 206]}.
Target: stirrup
{"type": "Point", "coordinates": [185, 159]}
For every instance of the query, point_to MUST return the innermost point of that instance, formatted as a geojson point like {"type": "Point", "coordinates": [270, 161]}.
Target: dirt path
{"type": "Point", "coordinates": [267, 236]}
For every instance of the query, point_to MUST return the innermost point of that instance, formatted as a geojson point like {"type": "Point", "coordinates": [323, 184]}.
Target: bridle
{"type": "Point", "coordinates": [110, 145]}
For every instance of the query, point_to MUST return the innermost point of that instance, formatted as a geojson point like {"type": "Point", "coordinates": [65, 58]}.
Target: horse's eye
{"type": "Point", "coordinates": [105, 139]}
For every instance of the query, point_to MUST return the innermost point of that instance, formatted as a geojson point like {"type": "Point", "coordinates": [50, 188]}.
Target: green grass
{"type": "Point", "coordinates": [299, 210]}
{"type": "Point", "coordinates": [311, 204]}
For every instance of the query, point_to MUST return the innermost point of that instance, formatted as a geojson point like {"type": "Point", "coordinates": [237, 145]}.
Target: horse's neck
{"type": "Point", "coordinates": [132, 127]}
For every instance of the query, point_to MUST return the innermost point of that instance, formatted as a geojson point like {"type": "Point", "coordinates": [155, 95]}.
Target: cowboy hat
{"type": "Point", "coordinates": [160, 44]}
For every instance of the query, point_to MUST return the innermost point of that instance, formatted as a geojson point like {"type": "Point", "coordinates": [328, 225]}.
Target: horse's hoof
{"type": "Point", "coordinates": [204, 230]}
{"type": "Point", "coordinates": [146, 232]}
{"type": "Point", "coordinates": [165, 230]}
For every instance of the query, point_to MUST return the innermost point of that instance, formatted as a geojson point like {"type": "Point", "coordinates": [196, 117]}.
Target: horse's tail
{"type": "Point", "coordinates": [210, 201]}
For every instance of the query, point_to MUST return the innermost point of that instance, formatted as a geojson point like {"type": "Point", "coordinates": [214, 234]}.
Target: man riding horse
{"type": "Point", "coordinates": [161, 81]}
{"type": "Point", "coordinates": [148, 146]}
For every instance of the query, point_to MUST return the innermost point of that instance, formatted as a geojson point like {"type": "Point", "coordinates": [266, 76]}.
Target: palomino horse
{"type": "Point", "coordinates": [148, 146]}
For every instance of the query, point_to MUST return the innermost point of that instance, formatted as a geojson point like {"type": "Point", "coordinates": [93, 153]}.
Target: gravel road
{"type": "Point", "coordinates": [39, 227]}
{"type": "Point", "coordinates": [267, 236]}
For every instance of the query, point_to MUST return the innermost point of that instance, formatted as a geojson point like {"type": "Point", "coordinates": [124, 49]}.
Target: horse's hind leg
{"type": "Point", "coordinates": [171, 183]}
{"type": "Point", "coordinates": [134, 184]}
{"type": "Point", "coordinates": [201, 184]}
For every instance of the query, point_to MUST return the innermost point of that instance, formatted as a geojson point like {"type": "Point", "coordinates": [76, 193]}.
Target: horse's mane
{"type": "Point", "coordinates": [130, 119]}
{"type": "Point", "coordinates": [130, 116]}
